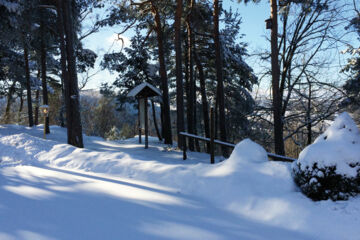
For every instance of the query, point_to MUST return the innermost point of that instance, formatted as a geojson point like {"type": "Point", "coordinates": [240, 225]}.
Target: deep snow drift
{"type": "Point", "coordinates": [119, 190]}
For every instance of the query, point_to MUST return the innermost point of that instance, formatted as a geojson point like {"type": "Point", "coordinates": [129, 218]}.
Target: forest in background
{"type": "Point", "coordinates": [191, 50]}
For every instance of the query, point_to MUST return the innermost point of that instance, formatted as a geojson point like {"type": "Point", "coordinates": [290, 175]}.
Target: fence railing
{"type": "Point", "coordinates": [185, 135]}
{"type": "Point", "coordinates": [214, 141]}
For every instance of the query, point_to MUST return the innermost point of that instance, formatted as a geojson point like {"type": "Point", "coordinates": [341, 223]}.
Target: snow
{"type": "Point", "coordinates": [12, 7]}
{"type": "Point", "coordinates": [119, 190]}
{"type": "Point", "coordinates": [90, 93]}
{"type": "Point", "coordinates": [338, 146]}
{"type": "Point", "coordinates": [140, 87]}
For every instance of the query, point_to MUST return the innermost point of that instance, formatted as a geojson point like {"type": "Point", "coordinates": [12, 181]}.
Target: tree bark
{"type": "Point", "coordinates": [190, 75]}
{"type": "Point", "coordinates": [21, 106]}
{"type": "Point", "coordinates": [21, 103]}
{"type": "Point", "coordinates": [163, 75]}
{"type": "Point", "coordinates": [275, 71]}
{"type": "Point", "coordinates": [179, 76]}
{"type": "Point", "coordinates": [72, 97]}
{"type": "Point", "coordinates": [62, 109]}
{"type": "Point", "coordinates": [155, 121]}
{"type": "Point", "coordinates": [188, 98]}
{"type": "Point", "coordinates": [197, 145]}
{"type": "Point", "coordinates": [64, 72]}
{"type": "Point", "coordinates": [37, 99]}
{"type": "Point", "coordinates": [162, 118]}
{"type": "Point", "coordinates": [205, 105]}
{"type": "Point", "coordinates": [219, 75]}
{"type": "Point", "coordinates": [43, 72]}
{"type": "Point", "coordinates": [9, 102]}
{"type": "Point", "coordinates": [216, 119]}
{"type": "Point", "coordinates": [28, 83]}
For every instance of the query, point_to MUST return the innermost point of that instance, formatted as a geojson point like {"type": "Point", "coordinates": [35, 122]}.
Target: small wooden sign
{"type": "Point", "coordinates": [142, 92]}
{"type": "Point", "coordinates": [142, 112]}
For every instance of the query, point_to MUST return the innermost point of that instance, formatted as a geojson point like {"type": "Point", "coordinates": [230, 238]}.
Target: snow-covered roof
{"type": "Point", "coordinates": [136, 90]}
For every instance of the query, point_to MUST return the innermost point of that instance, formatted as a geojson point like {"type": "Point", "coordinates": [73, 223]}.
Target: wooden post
{"type": "Point", "coordinates": [184, 147]}
{"type": "Point", "coordinates": [212, 136]}
{"type": "Point", "coordinates": [44, 126]}
{"type": "Point", "coordinates": [139, 120]}
{"type": "Point", "coordinates": [146, 124]}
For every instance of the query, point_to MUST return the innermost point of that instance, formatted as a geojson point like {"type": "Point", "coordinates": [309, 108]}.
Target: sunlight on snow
{"type": "Point", "coordinates": [115, 145]}
{"type": "Point", "coordinates": [30, 192]}
{"type": "Point", "coordinates": [177, 231]}
{"type": "Point", "coordinates": [274, 169]}
{"type": "Point", "coordinates": [273, 211]}
{"type": "Point", "coordinates": [67, 181]}
{"type": "Point", "coordinates": [220, 170]}
{"type": "Point", "coordinates": [154, 194]}
{"type": "Point", "coordinates": [129, 192]}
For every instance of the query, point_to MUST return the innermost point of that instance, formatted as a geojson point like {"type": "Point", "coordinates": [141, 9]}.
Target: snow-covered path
{"type": "Point", "coordinates": [42, 203]}
{"type": "Point", "coordinates": [119, 190]}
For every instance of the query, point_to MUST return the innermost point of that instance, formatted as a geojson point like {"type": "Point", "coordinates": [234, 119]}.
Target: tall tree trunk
{"type": "Point", "coordinates": [37, 99]}
{"type": "Point", "coordinates": [21, 106]}
{"type": "Point", "coordinates": [64, 72]}
{"type": "Point", "coordinates": [275, 71]}
{"type": "Point", "coordinates": [62, 108]}
{"type": "Point", "coordinates": [21, 102]}
{"type": "Point", "coordinates": [179, 76]}
{"type": "Point", "coordinates": [163, 75]}
{"type": "Point", "coordinates": [190, 75]}
{"type": "Point", "coordinates": [216, 119]}
{"type": "Point", "coordinates": [192, 89]}
{"type": "Point", "coordinates": [162, 118]}
{"type": "Point", "coordinates": [219, 75]}
{"type": "Point", "coordinates": [205, 105]}
{"type": "Point", "coordinates": [72, 98]}
{"type": "Point", "coordinates": [28, 83]}
{"type": "Point", "coordinates": [197, 145]}
{"type": "Point", "coordinates": [9, 102]}
{"type": "Point", "coordinates": [308, 116]}
{"type": "Point", "coordinates": [155, 121]}
{"type": "Point", "coordinates": [43, 71]}
{"type": "Point", "coordinates": [189, 114]}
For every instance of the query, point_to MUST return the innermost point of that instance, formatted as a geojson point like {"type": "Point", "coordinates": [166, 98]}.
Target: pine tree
{"type": "Point", "coordinates": [72, 97]}
{"type": "Point", "coordinates": [179, 75]}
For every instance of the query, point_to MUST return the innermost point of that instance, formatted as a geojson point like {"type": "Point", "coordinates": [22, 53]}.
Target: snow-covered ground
{"type": "Point", "coordinates": [119, 190]}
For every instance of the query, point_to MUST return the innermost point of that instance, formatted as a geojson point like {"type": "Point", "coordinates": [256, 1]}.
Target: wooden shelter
{"type": "Point", "coordinates": [142, 92]}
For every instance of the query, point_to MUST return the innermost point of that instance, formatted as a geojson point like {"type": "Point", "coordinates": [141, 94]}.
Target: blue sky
{"type": "Point", "coordinates": [253, 26]}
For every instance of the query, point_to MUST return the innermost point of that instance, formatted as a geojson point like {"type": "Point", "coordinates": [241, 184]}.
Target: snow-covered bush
{"type": "Point", "coordinates": [330, 167]}
{"type": "Point", "coordinates": [113, 134]}
{"type": "Point", "coordinates": [116, 134]}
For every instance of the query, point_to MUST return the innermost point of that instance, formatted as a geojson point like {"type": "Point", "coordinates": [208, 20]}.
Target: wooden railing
{"type": "Point", "coordinates": [214, 141]}
{"type": "Point", "coordinates": [185, 135]}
